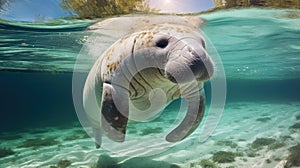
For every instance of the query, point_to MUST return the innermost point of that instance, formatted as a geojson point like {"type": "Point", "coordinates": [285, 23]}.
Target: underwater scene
{"type": "Point", "coordinates": [258, 49]}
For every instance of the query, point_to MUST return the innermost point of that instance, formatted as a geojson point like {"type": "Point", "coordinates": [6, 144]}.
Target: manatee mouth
{"type": "Point", "coordinates": [191, 62]}
{"type": "Point", "coordinates": [202, 71]}
{"type": "Point", "coordinates": [197, 70]}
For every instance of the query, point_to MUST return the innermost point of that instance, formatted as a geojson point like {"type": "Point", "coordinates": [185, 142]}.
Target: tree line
{"type": "Point", "coordinates": [102, 8]}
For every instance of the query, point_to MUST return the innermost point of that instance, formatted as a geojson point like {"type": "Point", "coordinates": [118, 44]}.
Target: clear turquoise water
{"type": "Point", "coordinates": [260, 51]}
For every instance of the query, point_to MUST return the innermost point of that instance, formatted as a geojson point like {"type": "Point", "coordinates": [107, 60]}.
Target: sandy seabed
{"type": "Point", "coordinates": [242, 123]}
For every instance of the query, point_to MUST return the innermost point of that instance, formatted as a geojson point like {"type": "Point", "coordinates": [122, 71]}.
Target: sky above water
{"type": "Point", "coordinates": [41, 10]}
{"type": "Point", "coordinates": [182, 6]}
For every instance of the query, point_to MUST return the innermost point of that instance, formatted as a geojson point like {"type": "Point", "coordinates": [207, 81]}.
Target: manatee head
{"type": "Point", "coordinates": [188, 55]}
{"type": "Point", "coordinates": [178, 50]}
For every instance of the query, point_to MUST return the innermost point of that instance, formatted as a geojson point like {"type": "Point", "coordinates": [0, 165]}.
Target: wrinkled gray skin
{"type": "Point", "coordinates": [140, 74]}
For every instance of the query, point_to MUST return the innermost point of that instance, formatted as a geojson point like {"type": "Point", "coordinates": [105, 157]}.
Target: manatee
{"type": "Point", "coordinates": [154, 61]}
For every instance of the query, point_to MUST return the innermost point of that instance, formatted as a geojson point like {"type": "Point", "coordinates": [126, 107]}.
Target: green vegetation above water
{"type": "Point", "coordinates": [105, 8]}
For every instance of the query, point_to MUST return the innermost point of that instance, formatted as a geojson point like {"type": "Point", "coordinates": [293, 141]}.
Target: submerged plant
{"type": "Point", "coordinates": [251, 153]}
{"type": "Point", "coordinates": [276, 145]}
{"type": "Point", "coordinates": [71, 137]}
{"type": "Point", "coordinates": [223, 157]}
{"type": "Point", "coordinates": [239, 154]}
{"type": "Point", "coordinates": [205, 163]}
{"type": "Point", "coordinates": [230, 167]}
{"type": "Point", "coordinates": [6, 152]}
{"type": "Point", "coordinates": [132, 131]}
{"type": "Point", "coordinates": [107, 161]}
{"type": "Point", "coordinates": [227, 143]}
{"type": "Point", "coordinates": [295, 126]}
{"type": "Point", "coordinates": [261, 142]}
{"type": "Point", "coordinates": [263, 119]}
{"type": "Point", "coordinates": [268, 161]}
{"type": "Point", "coordinates": [294, 157]}
{"type": "Point", "coordinates": [287, 137]}
{"type": "Point", "coordinates": [62, 164]}
{"type": "Point", "coordinates": [39, 142]}
{"type": "Point", "coordinates": [77, 134]}
{"type": "Point", "coordinates": [94, 165]}
{"type": "Point", "coordinates": [148, 131]}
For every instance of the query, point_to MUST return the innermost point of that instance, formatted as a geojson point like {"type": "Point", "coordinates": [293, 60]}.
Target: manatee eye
{"type": "Point", "coordinates": [162, 43]}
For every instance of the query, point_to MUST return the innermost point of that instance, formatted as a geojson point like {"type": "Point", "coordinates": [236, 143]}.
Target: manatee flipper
{"type": "Point", "coordinates": [114, 112]}
{"type": "Point", "coordinates": [193, 117]}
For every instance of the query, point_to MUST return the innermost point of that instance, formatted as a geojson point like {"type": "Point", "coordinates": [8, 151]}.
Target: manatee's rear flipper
{"type": "Point", "coordinates": [194, 115]}
{"type": "Point", "coordinates": [114, 112]}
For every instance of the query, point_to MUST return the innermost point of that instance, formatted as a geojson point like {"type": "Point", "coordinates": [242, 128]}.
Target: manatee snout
{"type": "Point", "coordinates": [192, 62]}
